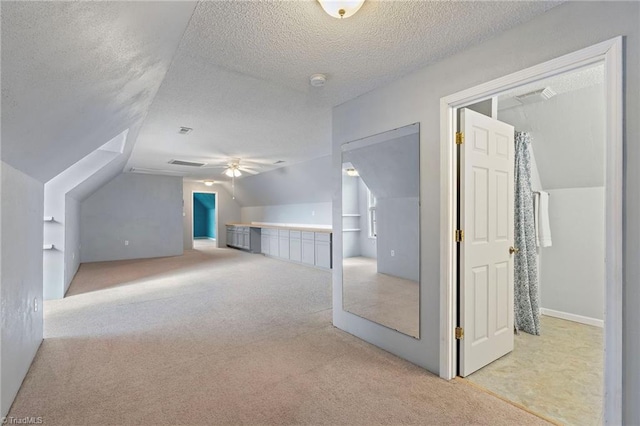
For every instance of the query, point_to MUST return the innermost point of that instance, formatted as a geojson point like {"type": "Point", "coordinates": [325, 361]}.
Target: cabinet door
{"type": "Point", "coordinates": [295, 249]}
{"type": "Point", "coordinates": [264, 243]}
{"type": "Point", "coordinates": [308, 252]}
{"type": "Point", "coordinates": [273, 246]}
{"type": "Point", "coordinates": [229, 238]}
{"type": "Point", "coordinates": [246, 243]}
{"type": "Point", "coordinates": [283, 247]}
{"type": "Point", "coordinates": [323, 254]}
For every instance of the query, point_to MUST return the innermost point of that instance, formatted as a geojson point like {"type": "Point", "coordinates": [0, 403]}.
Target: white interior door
{"type": "Point", "coordinates": [486, 217]}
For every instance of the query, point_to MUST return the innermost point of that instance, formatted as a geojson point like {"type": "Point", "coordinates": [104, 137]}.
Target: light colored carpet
{"type": "Point", "coordinates": [224, 337]}
{"type": "Point", "coordinates": [385, 299]}
{"type": "Point", "coordinates": [558, 374]}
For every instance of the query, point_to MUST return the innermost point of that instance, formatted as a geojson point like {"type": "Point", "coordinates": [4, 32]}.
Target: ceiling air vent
{"type": "Point", "coordinates": [279, 162]}
{"type": "Point", "coordinates": [186, 163]}
{"type": "Point", "coordinates": [537, 96]}
{"type": "Point", "coordinates": [185, 130]}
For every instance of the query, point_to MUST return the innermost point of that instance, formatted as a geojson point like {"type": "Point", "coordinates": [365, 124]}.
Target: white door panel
{"type": "Point", "coordinates": [486, 217]}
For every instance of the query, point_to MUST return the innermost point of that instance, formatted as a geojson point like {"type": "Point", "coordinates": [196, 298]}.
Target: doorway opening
{"type": "Point", "coordinates": [205, 219]}
{"type": "Point", "coordinates": [580, 309]}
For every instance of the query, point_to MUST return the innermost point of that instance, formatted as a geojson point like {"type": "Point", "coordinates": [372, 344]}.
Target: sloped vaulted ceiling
{"type": "Point", "coordinates": [76, 74]}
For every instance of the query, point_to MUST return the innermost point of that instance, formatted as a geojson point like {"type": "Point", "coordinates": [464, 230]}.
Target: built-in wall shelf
{"type": "Point", "coordinates": [48, 219]}
{"type": "Point", "coordinates": [48, 247]}
{"type": "Point", "coordinates": [350, 215]}
{"type": "Point", "coordinates": [351, 230]}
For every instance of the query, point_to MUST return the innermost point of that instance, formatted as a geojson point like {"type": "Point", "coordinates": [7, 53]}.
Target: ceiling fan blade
{"type": "Point", "coordinates": [248, 170]}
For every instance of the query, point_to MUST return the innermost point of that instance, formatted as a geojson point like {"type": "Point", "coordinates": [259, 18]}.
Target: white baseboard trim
{"type": "Point", "coordinates": [572, 317]}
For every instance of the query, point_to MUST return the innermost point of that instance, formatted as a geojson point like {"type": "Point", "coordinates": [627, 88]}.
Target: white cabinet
{"type": "Point", "coordinates": [308, 248]}
{"type": "Point", "coordinates": [283, 243]}
{"type": "Point", "coordinates": [244, 237]}
{"type": "Point", "coordinates": [273, 242]}
{"type": "Point", "coordinates": [295, 246]}
{"type": "Point", "coordinates": [323, 250]}
{"type": "Point", "coordinates": [264, 242]}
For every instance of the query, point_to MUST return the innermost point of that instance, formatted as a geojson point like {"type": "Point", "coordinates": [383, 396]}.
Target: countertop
{"type": "Point", "coordinates": [291, 228]}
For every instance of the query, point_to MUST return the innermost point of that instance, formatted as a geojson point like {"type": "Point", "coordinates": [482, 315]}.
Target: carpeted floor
{"type": "Point", "coordinates": [223, 337]}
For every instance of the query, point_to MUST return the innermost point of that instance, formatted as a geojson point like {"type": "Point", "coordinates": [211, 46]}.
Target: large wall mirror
{"type": "Point", "coordinates": [381, 228]}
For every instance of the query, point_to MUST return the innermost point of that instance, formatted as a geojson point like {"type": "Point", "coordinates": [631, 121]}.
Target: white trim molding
{"type": "Point", "coordinates": [610, 53]}
{"type": "Point", "coordinates": [572, 317]}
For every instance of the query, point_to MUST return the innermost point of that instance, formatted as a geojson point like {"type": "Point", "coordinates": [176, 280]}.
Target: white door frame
{"type": "Point", "coordinates": [609, 52]}
{"type": "Point", "coordinates": [217, 210]}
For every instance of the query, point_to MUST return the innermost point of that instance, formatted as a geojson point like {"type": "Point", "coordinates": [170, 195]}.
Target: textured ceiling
{"type": "Point", "coordinates": [240, 75]}
{"type": "Point", "coordinates": [75, 74]}
{"type": "Point", "coordinates": [591, 75]}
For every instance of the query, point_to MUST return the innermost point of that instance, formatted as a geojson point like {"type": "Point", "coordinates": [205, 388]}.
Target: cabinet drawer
{"type": "Point", "coordinates": [307, 235]}
{"type": "Point", "coordinates": [296, 235]}
{"type": "Point", "coordinates": [323, 236]}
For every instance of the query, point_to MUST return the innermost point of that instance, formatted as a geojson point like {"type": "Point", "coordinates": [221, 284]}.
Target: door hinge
{"type": "Point", "coordinates": [459, 333]}
{"type": "Point", "coordinates": [459, 235]}
{"type": "Point", "coordinates": [459, 138]}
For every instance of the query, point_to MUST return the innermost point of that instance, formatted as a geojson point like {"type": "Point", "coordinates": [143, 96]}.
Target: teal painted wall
{"type": "Point", "coordinates": [204, 215]}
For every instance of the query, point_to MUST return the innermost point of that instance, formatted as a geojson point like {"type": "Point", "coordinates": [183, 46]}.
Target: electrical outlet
{"type": "Point", "coordinates": [313, 213]}
{"type": "Point", "coordinates": [73, 256]}
{"type": "Point", "coordinates": [393, 253]}
{"type": "Point", "coordinates": [35, 304]}
{"type": "Point", "coordinates": [126, 242]}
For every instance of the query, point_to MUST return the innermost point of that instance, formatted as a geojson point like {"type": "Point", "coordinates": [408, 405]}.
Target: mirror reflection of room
{"type": "Point", "coordinates": [381, 238]}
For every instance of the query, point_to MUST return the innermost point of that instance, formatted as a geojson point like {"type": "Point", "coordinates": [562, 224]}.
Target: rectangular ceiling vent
{"type": "Point", "coordinates": [537, 96]}
{"type": "Point", "coordinates": [279, 162]}
{"type": "Point", "coordinates": [185, 130]}
{"type": "Point", "coordinates": [186, 163]}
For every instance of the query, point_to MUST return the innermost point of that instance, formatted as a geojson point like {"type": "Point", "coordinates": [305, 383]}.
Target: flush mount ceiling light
{"type": "Point", "coordinates": [352, 172]}
{"type": "Point", "coordinates": [209, 182]}
{"type": "Point", "coordinates": [341, 8]}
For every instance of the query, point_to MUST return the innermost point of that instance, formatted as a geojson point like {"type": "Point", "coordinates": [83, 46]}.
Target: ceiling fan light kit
{"type": "Point", "coordinates": [341, 8]}
{"type": "Point", "coordinates": [233, 172]}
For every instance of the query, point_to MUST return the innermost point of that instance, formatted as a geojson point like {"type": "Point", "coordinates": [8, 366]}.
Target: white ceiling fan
{"type": "Point", "coordinates": [234, 167]}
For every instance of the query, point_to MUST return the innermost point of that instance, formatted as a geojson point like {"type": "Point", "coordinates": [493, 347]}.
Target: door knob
{"type": "Point", "coordinates": [513, 250]}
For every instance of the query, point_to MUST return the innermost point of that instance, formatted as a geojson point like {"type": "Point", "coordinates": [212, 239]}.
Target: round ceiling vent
{"type": "Point", "coordinates": [317, 80]}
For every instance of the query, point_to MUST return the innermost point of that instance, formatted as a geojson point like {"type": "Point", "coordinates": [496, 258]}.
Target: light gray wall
{"type": "Point", "coordinates": [299, 193]}
{"type": "Point", "coordinates": [227, 208]}
{"type": "Point", "coordinates": [71, 240]}
{"type": "Point", "coordinates": [572, 278]}
{"type": "Point", "coordinates": [416, 98]}
{"type": "Point", "coordinates": [304, 214]}
{"type": "Point", "coordinates": [368, 246]}
{"type": "Point", "coordinates": [351, 205]}
{"type": "Point", "coordinates": [142, 209]}
{"type": "Point", "coordinates": [21, 231]}
{"type": "Point", "coordinates": [398, 222]}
